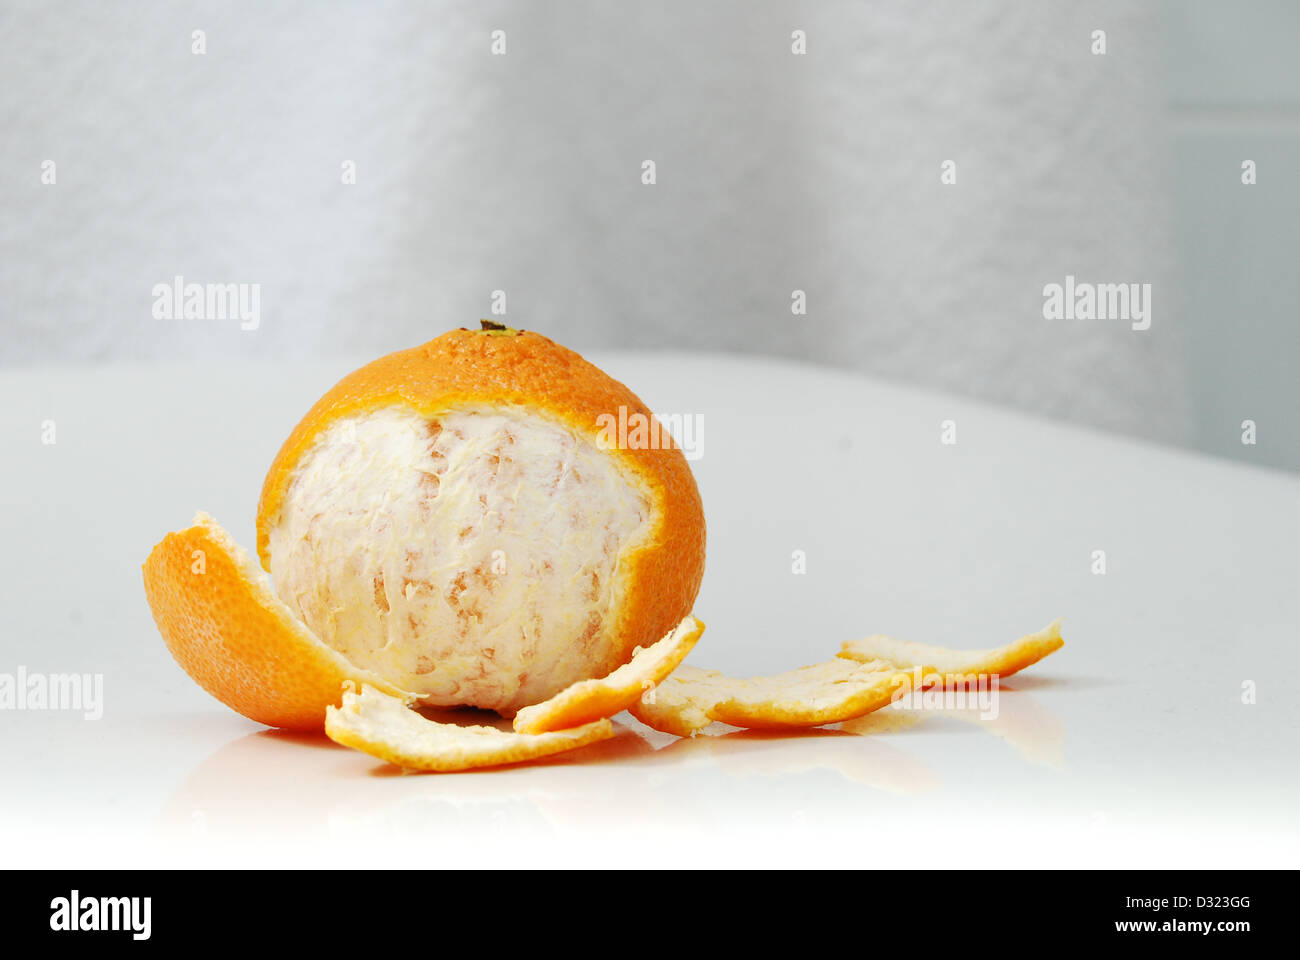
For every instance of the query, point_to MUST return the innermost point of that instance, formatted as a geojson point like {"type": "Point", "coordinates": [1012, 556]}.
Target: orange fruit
{"type": "Point", "coordinates": [448, 523]}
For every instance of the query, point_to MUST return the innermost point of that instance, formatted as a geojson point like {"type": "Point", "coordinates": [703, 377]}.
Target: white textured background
{"type": "Point", "coordinates": [775, 172]}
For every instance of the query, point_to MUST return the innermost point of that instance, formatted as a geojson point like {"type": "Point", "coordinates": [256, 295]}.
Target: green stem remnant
{"type": "Point", "coordinates": [494, 329]}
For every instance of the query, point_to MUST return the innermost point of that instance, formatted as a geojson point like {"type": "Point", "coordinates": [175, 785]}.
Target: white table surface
{"type": "Point", "coordinates": [1130, 747]}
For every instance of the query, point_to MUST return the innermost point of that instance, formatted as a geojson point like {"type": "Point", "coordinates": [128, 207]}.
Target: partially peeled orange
{"type": "Point", "coordinates": [447, 526]}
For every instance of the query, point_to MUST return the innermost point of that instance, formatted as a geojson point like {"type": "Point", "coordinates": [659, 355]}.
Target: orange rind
{"type": "Point", "coordinates": [590, 700]}
{"type": "Point", "coordinates": [384, 727]}
{"type": "Point", "coordinates": [690, 698]}
{"type": "Point", "coordinates": [957, 665]}
{"type": "Point", "coordinates": [221, 621]}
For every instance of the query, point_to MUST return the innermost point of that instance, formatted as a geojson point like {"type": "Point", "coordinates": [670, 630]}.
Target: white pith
{"type": "Point", "coordinates": [475, 558]}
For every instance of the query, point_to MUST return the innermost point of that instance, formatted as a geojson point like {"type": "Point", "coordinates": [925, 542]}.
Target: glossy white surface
{"type": "Point", "coordinates": [1131, 746]}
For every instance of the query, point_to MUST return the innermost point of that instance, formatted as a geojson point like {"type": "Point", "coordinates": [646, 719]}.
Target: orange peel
{"type": "Point", "coordinates": [956, 664]}
{"type": "Point", "coordinates": [227, 629]}
{"type": "Point", "coordinates": [383, 726]}
{"type": "Point", "coordinates": [590, 700]}
{"type": "Point", "coordinates": [690, 698]}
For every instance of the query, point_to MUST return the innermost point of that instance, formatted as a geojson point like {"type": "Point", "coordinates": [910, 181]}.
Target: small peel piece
{"type": "Point", "coordinates": [678, 704]}
{"type": "Point", "coordinates": [385, 727]}
{"type": "Point", "coordinates": [813, 696]}
{"type": "Point", "coordinates": [956, 664]}
{"type": "Point", "coordinates": [590, 700]}
{"type": "Point", "coordinates": [225, 626]}
{"type": "Point", "coordinates": [691, 698]}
